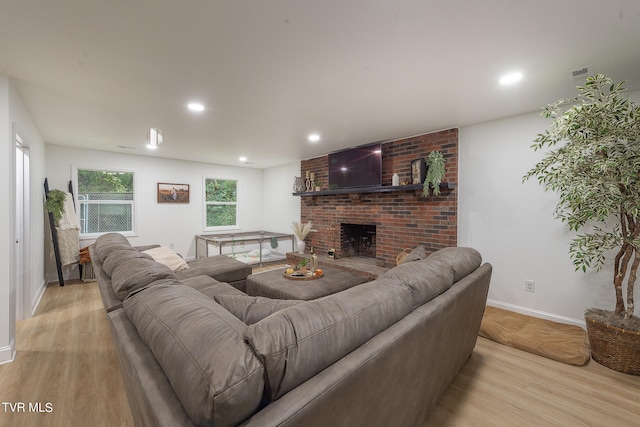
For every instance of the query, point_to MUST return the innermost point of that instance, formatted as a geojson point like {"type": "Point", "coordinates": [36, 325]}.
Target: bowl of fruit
{"type": "Point", "coordinates": [302, 271]}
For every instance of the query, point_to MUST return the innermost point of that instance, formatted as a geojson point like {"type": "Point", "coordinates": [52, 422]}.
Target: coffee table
{"type": "Point", "coordinates": [272, 284]}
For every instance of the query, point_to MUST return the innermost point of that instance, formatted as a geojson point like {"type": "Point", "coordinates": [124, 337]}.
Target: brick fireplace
{"type": "Point", "coordinates": [398, 219]}
{"type": "Point", "coordinates": [357, 240]}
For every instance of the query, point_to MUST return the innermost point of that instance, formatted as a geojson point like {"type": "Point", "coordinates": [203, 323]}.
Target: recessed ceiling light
{"type": "Point", "coordinates": [314, 137]}
{"type": "Point", "coordinates": [243, 159]}
{"type": "Point", "coordinates": [510, 78]}
{"type": "Point", "coordinates": [195, 106]}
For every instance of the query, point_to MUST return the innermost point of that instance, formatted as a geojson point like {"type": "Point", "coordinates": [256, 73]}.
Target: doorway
{"type": "Point", "coordinates": [22, 228]}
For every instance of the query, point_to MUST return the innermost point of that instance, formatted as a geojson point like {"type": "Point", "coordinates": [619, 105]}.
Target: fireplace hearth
{"type": "Point", "coordinates": [357, 240]}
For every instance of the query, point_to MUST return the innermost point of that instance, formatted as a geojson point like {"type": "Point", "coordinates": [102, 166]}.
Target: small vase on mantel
{"type": "Point", "coordinates": [301, 246]}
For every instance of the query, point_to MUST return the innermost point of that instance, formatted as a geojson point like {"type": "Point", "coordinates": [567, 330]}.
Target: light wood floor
{"type": "Point", "coordinates": [503, 386]}
{"type": "Point", "coordinates": [66, 358]}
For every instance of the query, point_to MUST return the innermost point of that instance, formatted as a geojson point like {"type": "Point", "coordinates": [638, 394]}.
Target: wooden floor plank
{"type": "Point", "coordinates": [503, 386]}
{"type": "Point", "coordinates": [65, 358]}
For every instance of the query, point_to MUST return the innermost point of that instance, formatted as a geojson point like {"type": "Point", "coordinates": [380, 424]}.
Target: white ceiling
{"type": "Point", "coordinates": [99, 73]}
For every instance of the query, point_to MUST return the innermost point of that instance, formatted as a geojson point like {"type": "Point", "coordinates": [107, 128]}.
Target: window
{"type": "Point", "coordinates": [106, 201]}
{"type": "Point", "coordinates": [221, 203]}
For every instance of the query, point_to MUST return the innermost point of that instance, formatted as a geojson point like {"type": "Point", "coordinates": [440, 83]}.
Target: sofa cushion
{"type": "Point", "coordinates": [425, 278]}
{"type": "Point", "coordinates": [298, 342]}
{"type": "Point", "coordinates": [220, 288]}
{"type": "Point", "coordinates": [136, 273]}
{"type": "Point", "coordinates": [253, 309]}
{"type": "Point", "coordinates": [118, 256]}
{"type": "Point", "coordinates": [166, 256]}
{"type": "Point", "coordinates": [418, 253]}
{"type": "Point", "coordinates": [200, 347]}
{"type": "Point", "coordinates": [199, 282]}
{"type": "Point", "coordinates": [220, 267]}
{"type": "Point", "coordinates": [109, 242]}
{"type": "Point", "coordinates": [463, 260]}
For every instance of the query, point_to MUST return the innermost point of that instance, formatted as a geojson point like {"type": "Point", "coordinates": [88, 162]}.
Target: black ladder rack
{"type": "Point", "coordinates": [54, 234]}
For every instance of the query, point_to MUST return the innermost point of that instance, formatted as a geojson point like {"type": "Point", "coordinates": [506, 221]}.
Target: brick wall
{"type": "Point", "coordinates": [403, 219]}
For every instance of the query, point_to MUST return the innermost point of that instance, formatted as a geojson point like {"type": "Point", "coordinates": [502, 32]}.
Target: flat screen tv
{"type": "Point", "coordinates": [356, 167]}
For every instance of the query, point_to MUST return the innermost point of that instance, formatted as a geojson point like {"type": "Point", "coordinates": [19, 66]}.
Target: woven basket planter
{"type": "Point", "coordinates": [613, 347]}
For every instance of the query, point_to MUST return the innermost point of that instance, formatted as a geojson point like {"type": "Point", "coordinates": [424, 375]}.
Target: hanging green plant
{"type": "Point", "coordinates": [435, 173]}
{"type": "Point", "coordinates": [55, 204]}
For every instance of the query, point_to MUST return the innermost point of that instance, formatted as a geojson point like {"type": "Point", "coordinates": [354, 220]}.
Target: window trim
{"type": "Point", "coordinates": [134, 202]}
{"type": "Point", "coordinates": [205, 203]}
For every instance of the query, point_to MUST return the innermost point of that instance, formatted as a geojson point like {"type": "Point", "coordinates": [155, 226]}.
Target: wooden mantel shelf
{"type": "Point", "coordinates": [444, 186]}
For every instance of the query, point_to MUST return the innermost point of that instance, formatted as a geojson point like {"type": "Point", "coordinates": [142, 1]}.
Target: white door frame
{"type": "Point", "coordinates": [22, 254]}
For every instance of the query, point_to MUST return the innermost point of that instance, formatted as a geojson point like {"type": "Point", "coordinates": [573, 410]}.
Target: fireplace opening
{"type": "Point", "coordinates": [357, 240]}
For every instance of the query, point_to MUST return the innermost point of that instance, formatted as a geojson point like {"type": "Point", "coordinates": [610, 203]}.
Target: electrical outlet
{"type": "Point", "coordinates": [172, 246]}
{"type": "Point", "coordinates": [529, 286]}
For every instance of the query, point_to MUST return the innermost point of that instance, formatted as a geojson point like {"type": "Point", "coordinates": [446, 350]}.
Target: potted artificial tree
{"type": "Point", "coordinates": [594, 166]}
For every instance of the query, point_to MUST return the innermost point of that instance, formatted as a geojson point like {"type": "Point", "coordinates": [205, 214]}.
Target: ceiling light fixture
{"type": "Point", "coordinates": [314, 137]}
{"type": "Point", "coordinates": [510, 78]}
{"type": "Point", "coordinates": [195, 106]}
{"type": "Point", "coordinates": [155, 138]}
{"type": "Point", "coordinates": [243, 159]}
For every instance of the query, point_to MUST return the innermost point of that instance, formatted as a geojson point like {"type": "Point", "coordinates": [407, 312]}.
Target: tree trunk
{"type": "Point", "coordinates": [630, 283]}
{"type": "Point", "coordinates": [630, 232]}
{"type": "Point", "coordinates": [634, 231]}
{"type": "Point", "coordinates": [620, 269]}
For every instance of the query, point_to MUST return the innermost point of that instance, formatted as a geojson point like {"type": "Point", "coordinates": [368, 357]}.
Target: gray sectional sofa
{"type": "Point", "coordinates": [379, 353]}
{"type": "Point", "coordinates": [121, 269]}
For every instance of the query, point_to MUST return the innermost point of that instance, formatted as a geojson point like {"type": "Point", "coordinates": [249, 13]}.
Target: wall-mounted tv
{"type": "Point", "coordinates": [356, 167]}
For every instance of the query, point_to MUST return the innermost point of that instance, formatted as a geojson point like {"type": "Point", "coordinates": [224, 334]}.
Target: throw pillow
{"type": "Point", "coordinates": [253, 309]}
{"type": "Point", "coordinates": [166, 256]}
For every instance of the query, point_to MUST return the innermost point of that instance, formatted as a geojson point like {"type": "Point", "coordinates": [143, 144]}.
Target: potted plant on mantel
{"type": "Point", "coordinates": [594, 166]}
{"type": "Point", "coordinates": [435, 173]}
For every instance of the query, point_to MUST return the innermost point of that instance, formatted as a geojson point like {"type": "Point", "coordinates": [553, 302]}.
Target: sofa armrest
{"type": "Point", "coordinates": [151, 397]}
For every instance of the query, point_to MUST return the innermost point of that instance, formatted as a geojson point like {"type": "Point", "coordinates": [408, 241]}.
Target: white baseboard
{"type": "Point", "coordinates": [36, 301]}
{"type": "Point", "coordinates": [8, 354]}
{"type": "Point", "coordinates": [537, 313]}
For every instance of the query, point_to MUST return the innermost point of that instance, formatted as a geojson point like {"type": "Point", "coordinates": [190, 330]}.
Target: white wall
{"type": "Point", "coordinates": [178, 224]}
{"type": "Point", "coordinates": [13, 115]}
{"type": "Point", "coordinates": [7, 289]}
{"type": "Point", "coordinates": [512, 224]}
{"type": "Point", "coordinates": [281, 208]}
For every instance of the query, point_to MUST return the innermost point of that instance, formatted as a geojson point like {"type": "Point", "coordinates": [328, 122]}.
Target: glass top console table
{"type": "Point", "coordinates": [255, 247]}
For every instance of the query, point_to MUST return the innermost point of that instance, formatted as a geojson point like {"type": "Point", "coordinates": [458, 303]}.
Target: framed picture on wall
{"type": "Point", "coordinates": [173, 193]}
{"type": "Point", "coordinates": [418, 171]}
